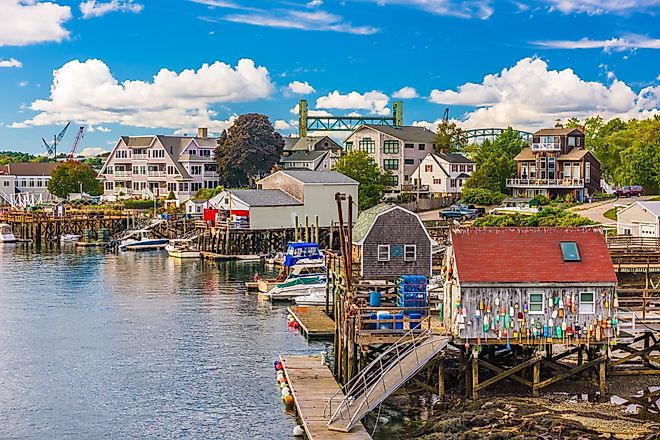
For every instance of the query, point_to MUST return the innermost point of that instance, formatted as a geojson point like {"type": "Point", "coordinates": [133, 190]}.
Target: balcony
{"type": "Point", "coordinates": [415, 188]}
{"type": "Point", "coordinates": [123, 173]}
{"type": "Point", "coordinates": [140, 157]}
{"type": "Point", "coordinates": [155, 173]}
{"type": "Point", "coordinates": [546, 146]}
{"type": "Point", "coordinates": [545, 183]}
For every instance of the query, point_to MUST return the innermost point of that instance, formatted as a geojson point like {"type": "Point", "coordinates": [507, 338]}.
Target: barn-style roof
{"type": "Point", "coordinates": [367, 219]}
{"type": "Point", "coordinates": [530, 255]}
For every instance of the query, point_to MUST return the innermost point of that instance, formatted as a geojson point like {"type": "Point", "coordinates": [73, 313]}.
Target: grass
{"type": "Point", "coordinates": [610, 214]}
{"type": "Point", "coordinates": [655, 199]}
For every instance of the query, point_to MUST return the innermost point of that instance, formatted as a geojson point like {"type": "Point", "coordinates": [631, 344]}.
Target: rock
{"type": "Point", "coordinates": [382, 420]}
{"type": "Point", "coordinates": [633, 408]}
{"type": "Point", "coordinates": [487, 404]}
{"type": "Point", "coordinates": [616, 400]}
{"type": "Point", "coordinates": [480, 420]}
{"type": "Point", "coordinates": [454, 424]}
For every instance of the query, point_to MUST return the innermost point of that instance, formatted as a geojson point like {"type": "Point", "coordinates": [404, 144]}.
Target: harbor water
{"type": "Point", "coordinates": [137, 345]}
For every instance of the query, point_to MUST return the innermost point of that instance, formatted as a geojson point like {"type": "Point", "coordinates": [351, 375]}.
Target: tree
{"type": "Point", "coordinates": [449, 137]}
{"type": "Point", "coordinates": [67, 178]}
{"type": "Point", "coordinates": [208, 193]}
{"type": "Point", "coordinates": [358, 165]}
{"type": "Point", "coordinates": [247, 150]}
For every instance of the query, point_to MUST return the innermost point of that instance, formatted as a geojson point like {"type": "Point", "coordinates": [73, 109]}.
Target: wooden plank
{"type": "Point", "coordinates": [313, 321]}
{"type": "Point", "coordinates": [312, 385]}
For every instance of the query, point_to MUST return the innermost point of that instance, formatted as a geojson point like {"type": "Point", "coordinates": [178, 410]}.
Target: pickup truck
{"type": "Point", "coordinates": [457, 212]}
{"type": "Point", "coordinates": [629, 191]}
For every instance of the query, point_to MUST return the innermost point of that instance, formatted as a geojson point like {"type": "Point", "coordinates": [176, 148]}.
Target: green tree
{"type": "Point", "coordinates": [208, 193]}
{"type": "Point", "coordinates": [449, 137]}
{"type": "Point", "coordinates": [249, 149]}
{"type": "Point", "coordinates": [358, 165]}
{"type": "Point", "coordinates": [70, 177]}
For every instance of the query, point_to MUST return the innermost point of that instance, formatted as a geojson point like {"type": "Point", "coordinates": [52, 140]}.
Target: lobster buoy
{"type": "Point", "coordinates": [278, 365]}
{"type": "Point", "coordinates": [298, 431]}
{"type": "Point", "coordinates": [285, 391]}
{"type": "Point", "coordinates": [288, 400]}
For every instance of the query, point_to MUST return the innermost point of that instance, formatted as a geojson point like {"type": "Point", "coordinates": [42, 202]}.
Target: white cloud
{"type": "Point", "coordinates": [315, 3]}
{"type": "Point", "coordinates": [300, 88]}
{"type": "Point", "coordinates": [102, 129]}
{"type": "Point", "coordinates": [316, 20]}
{"type": "Point", "coordinates": [92, 151]}
{"type": "Point", "coordinates": [281, 124]}
{"type": "Point", "coordinates": [88, 92]}
{"type": "Point", "coordinates": [405, 93]}
{"type": "Point", "coordinates": [11, 62]}
{"type": "Point", "coordinates": [374, 101]}
{"type": "Point", "coordinates": [595, 7]}
{"type": "Point", "coordinates": [530, 95]}
{"type": "Point", "coordinates": [296, 108]}
{"type": "Point", "coordinates": [23, 84]}
{"type": "Point", "coordinates": [463, 9]}
{"type": "Point", "coordinates": [629, 42]}
{"type": "Point", "coordinates": [28, 22]}
{"type": "Point", "coordinates": [92, 8]}
{"type": "Point", "coordinates": [218, 4]}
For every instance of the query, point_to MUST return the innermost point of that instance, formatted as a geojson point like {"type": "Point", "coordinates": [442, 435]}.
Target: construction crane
{"type": "Point", "coordinates": [52, 149]}
{"type": "Point", "coordinates": [79, 137]}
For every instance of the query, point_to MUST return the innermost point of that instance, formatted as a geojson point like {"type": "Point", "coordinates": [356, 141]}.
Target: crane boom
{"type": "Point", "coordinates": [61, 135]}
{"type": "Point", "coordinates": [79, 136]}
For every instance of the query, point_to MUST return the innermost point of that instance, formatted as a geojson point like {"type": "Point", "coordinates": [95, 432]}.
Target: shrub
{"type": "Point", "coordinates": [480, 196]}
{"type": "Point", "coordinates": [554, 217]}
{"type": "Point", "coordinates": [142, 204]}
{"type": "Point", "coordinates": [542, 199]}
{"type": "Point", "coordinates": [602, 196]}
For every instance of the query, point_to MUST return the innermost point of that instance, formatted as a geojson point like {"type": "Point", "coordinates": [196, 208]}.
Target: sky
{"type": "Point", "coordinates": [139, 67]}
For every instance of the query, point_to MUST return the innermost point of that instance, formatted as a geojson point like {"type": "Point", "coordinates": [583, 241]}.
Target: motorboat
{"type": "Point", "coordinates": [303, 268]}
{"type": "Point", "coordinates": [301, 251]}
{"type": "Point", "coordinates": [69, 238]}
{"type": "Point", "coordinates": [6, 234]}
{"type": "Point", "coordinates": [290, 289]}
{"type": "Point", "coordinates": [527, 206]}
{"type": "Point", "coordinates": [315, 298]}
{"type": "Point", "coordinates": [183, 249]}
{"type": "Point", "coordinates": [140, 241]}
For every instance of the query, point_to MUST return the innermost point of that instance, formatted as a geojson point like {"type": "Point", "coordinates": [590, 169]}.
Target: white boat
{"type": "Point", "coordinates": [301, 269]}
{"type": "Point", "coordinates": [143, 242]}
{"type": "Point", "coordinates": [69, 238]}
{"type": "Point", "coordinates": [299, 283]}
{"type": "Point", "coordinates": [183, 249]}
{"type": "Point", "coordinates": [6, 234]}
{"type": "Point", "coordinates": [315, 298]}
{"type": "Point", "coordinates": [527, 206]}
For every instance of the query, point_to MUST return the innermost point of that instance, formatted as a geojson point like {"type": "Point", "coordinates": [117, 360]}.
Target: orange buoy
{"type": "Point", "coordinates": [288, 400]}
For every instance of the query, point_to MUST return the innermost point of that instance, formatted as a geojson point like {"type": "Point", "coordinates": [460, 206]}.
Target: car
{"type": "Point", "coordinates": [629, 191]}
{"type": "Point", "coordinates": [457, 212]}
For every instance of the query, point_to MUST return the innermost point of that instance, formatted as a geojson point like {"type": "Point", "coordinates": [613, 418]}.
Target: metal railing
{"type": "Point", "coordinates": [140, 157]}
{"type": "Point", "coordinates": [123, 173]}
{"type": "Point", "coordinates": [546, 146]}
{"type": "Point", "coordinates": [566, 183]}
{"type": "Point", "coordinates": [155, 173]}
{"type": "Point", "coordinates": [414, 188]}
{"type": "Point", "coordinates": [360, 390]}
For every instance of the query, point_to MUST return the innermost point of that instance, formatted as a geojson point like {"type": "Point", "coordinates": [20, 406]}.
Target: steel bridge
{"type": "Point", "coordinates": [492, 133]}
{"type": "Point", "coordinates": [344, 123]}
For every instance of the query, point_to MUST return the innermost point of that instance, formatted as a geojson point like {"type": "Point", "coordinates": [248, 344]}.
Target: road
{"type": "Point", "coordinates": [595, 211]}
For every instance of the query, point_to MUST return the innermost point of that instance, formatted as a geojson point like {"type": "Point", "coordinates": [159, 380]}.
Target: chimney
{"type": "Point", "coordinates": [558, 123]}
{"type": "Point", "coordinates": [202, 133]}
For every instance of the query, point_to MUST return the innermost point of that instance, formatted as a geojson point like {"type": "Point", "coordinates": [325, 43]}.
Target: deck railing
{"type": "Point", "coordinates": [559, 183]}
{"type": "Point", "coordinates": [627, 243]}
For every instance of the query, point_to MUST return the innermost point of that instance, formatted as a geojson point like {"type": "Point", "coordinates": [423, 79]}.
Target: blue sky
{"type": "Point", "coordinates": [123, 67]}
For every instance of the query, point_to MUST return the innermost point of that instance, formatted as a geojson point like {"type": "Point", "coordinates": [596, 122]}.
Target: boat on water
{"type": "Point", "coordinates": [295, 287]}
{"type": "Point", "coordinates": [69, 238]}
{"type": "Point", "coordinates": [140, 241]}
{"type": "Point", "coordinates": [301, 251]}
{"type": "Point", "coordinates": [6, 234]}
{"type": "Point", "coordinates": [301, 269]}
{"type": "Point", "coordinates": [183, 249]}
{"type": "Point", "coordinates": [315, 298]}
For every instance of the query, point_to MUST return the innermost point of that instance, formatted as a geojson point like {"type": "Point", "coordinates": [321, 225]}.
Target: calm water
{"type": "Point", "coordinates": [137, 345]}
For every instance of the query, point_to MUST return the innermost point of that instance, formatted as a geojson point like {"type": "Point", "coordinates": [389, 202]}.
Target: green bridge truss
{"type": "Point", "coordinates": [492, 133]}
{"type": "Point", "coordinates": [344, 123]}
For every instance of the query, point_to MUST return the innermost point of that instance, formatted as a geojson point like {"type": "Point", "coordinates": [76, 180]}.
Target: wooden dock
{"type": "Point", "coordinates": [313, 321]}
{"type": "Point", "coordinates": [210, 256]}
{"type": "Point", "coordinates": [312, 384]}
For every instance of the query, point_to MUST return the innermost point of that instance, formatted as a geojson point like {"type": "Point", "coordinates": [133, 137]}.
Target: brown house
{"type": "Point", "coordinates": [556, 164]}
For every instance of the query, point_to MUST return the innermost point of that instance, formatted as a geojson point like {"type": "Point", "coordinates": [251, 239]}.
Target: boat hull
{"type": "Point", "coordinates": [184, 254]}
{"type": "Point", "coordinates": [148, 245]}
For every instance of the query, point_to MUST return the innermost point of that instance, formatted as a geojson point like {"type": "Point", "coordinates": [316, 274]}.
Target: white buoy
{"type": "Point", "coordinates": [298, 431]}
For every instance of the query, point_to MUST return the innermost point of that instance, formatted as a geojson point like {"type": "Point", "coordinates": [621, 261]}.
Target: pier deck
{"type": "Point", "coordinates": [313, 321]}
{"type": "Point", "coordinates": [312, 384]}
{"type": "Point", "coordinates": [221, 257]}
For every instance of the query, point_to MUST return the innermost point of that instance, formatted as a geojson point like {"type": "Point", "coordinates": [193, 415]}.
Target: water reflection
{"type": "Point", "coordinates": [132, 345]}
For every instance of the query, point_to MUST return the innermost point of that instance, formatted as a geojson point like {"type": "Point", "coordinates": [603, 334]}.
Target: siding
{"type": "Point", "coordinates": [286, 183]}
{"type": "Point", "coordinates": [275, 217]}
{"type": "Point", "coordinates": [320, 200]}
{"type": "Point", "coordinates": [396, 228]}
{"type": "Point", "coordinates": [633, 217]}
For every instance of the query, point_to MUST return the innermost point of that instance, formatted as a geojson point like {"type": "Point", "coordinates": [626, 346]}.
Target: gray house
{"type": "Point", "coordinates": [389, 241]}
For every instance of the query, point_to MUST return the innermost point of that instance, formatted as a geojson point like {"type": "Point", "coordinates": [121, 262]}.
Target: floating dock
{"type": "Point", "coordinates": [220, 257]}
{"type": "Point", "coordinates": [312, 385]}
{"type": "Point", "coordinates": [313, 321]}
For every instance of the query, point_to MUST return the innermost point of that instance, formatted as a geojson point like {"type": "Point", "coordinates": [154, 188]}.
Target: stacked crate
{"type": "Point", "coordinates": [411, 292]}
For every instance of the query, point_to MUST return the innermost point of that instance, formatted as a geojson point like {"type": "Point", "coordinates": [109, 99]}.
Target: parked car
{"type": "Point", "coordinates": [629, 191]}
{"type": "Point", "coordinates": [457, 211]}
{"type": "Point", "coordinates": [477, 209]}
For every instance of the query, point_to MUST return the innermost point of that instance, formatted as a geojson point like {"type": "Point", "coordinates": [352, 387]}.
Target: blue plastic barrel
{"type": "Point", "coordinates": [374, 299]}
{"type": "Point", "coordinates": [385, 317]}
{"type": "Point", "coordinates": [398, 321]}
{"type": "Point", "coordinates": [372, 326]}
{"type": "Point", "coordinates": [415, 320]}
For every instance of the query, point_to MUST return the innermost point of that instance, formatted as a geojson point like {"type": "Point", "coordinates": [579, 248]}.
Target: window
{"type": "Point", "coordinates": [121, 154]}
{"type": "Point", "coordinates": [391, 164]}
{"type": "Point", "coordinates": [587, 172]}
{"type": "Point", "coordinates": [391, 147]}
{"type": "Point", "coordinates": [409, 145]}
{"type": "Point", "coordinates": [349, 146]}
{"type": "Point", "coordinates": [171, 187]}
{"type": "Point", "coordinates": [5, 183]}
{"type": "Point", "coordinates": [192, 152]}
{"type": "Point", "coordinates": [454, 168]}
{"type": "Point", "coordinates": [421, 147]}
{"type": "Point", "coordinates": [157, 154]}
{"type": "Point", "coordinates": [460, 182]}
{"type": "Point", "coordinates": [452, 183]}
{"type": "Point", "coordinates": [551, 168]}
{"type": "Point", "coordinates": [205, 153]}
{"type": "Point", "coordinates": [394, 180]}
{"type": "Point", "coordinates": [462, 168]}
{"type": "Point", "coordinates": [570, 251]}
{"type": "Point", "coordinates": [410, 252]}
{"type": "Point", "coordinates": [367, 145]}
{"type": "Point", "coordinates": [409, 161]}
{"type": "Point", "coordinates": [469, 168]}
{"type": "Point", "coordinates": [571, 141]}
{"type": "Point", "coordinates": [171, 170]}
{"type": "Point", "coordinates": [40, 183]}
{"type": "Point", "coordinates": [196, 170]}
{"type": "Point", "coordinates": [109, 170]}
{"type": "Point", "coordinates": [523, 170]}
{"type": "Point", "coordinates": [195, 187]}
{"type": "Point", "coordinates": [109, 186]}
{"type": "Point", "coordinates": [428, 168]}
{"type": "Point", "coordinates": [627, 231]}
{"type": "Point", "coordinates": [587, 305]}
{"type": "Point", "coordinates": [576, 170]}
{"type": "Point", "coordinates": [31, 183]}
{"type": "Point", "coordinates": [567, 170]}
{"type": "Point", "coordinates": [383, 252]}
{"type": "Point", "coordinates": [436, 181]}
{"type": "Point", "coordinates": [532, 170]}
{"type": "Point", "coordinates": [536, 304]}
{"type": "Point", "coordinates": [183, 186]}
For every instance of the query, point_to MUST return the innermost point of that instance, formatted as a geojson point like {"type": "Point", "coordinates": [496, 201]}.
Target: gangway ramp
{"type": "Point", "coordinates": [382, 377]}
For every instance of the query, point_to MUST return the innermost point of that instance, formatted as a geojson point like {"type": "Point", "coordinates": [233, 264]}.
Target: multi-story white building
{"type": "Point", "coordinates": [443, 173]}
{"type": "Point", "coordinates": [25, 182]}
{"type": "Point", "coordinates": [398, 150]}
{"type": "Point", "coordinates": [155, 166]}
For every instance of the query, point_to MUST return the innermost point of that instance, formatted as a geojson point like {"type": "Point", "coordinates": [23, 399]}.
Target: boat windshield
{"type": "Point", "coordinates": [300, 251]}
{"type": "Point", "coordinates": [5, 229]}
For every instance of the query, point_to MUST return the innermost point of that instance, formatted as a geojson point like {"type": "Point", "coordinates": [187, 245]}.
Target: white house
{"type": "Point", "coordinates": [641, 219]}
{"type": "Point", "coordinates": [398, 150]}
{"type": "Point", "coordinates": [196, 207]}
{"type": "Point", "coordinates": [258, 208]}
{"type": "Point", "coordinates": [316, 191]}
{"type": "Point", "coordinates": [27, 181]}
{"type": "Point", "coordinates": [311, 160]}
{"type": "Point", "coordinates": [444, 173]}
